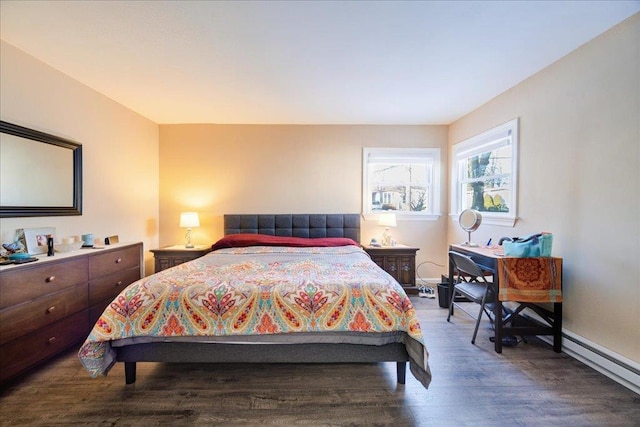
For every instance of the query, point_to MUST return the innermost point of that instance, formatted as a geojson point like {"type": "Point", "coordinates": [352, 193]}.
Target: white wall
{"type": "Point", "coordinates": [218, 169]}
{"type": "Point", "coordinates": [579, 178]}
{"type": "Point", "coordinates": [120, 150]}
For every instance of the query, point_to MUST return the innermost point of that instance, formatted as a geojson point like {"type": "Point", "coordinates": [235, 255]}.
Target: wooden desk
{"type": "Point", "coordinates": [488, 259]}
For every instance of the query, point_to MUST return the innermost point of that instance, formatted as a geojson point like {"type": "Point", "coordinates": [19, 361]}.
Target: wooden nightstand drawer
{"type": "Point", "coordinates": [399, 262]}
{"type": "Point", "coordinates": [171, 256]}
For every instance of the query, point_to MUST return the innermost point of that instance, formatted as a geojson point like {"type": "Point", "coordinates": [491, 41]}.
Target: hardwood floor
{"type": "Point", "coordinates": [527, 385]}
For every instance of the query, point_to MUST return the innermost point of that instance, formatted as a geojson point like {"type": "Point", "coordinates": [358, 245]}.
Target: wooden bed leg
{"type": "Point", "coordinates": [402, 372]}
{"type": "Point", "coordinates": [130, 372]}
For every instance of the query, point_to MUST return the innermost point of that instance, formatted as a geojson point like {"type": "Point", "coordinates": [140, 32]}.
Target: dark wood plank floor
{"type": "Point", "coordinates": [527, 385]}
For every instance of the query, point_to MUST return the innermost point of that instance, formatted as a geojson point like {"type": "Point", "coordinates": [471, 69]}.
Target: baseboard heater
{"type": "Point", "coordinates": [617, 367]}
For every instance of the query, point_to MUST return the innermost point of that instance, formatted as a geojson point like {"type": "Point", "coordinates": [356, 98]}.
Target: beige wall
{"type": "Point", "coordinates": [579, 178]}
{"type": "Point", "coordinates": [120, 150]}
{"type": "Point", "coordinates": [218, 169]}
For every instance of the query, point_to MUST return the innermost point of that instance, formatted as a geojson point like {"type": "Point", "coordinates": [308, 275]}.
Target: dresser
{"type": "Point", "coordinates": [170, 256]}
{"type": "Point", "coordinates": [399, 261]}
{"type": "Point", "coordinates": [50, 305]}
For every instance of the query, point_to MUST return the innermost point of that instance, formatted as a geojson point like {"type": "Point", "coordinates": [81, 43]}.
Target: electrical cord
{"type": "Point", "coordinates": [423, 290]}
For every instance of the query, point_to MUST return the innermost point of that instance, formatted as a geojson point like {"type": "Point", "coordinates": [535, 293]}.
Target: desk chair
{"type": "Point", "coordinates": [471, 284]}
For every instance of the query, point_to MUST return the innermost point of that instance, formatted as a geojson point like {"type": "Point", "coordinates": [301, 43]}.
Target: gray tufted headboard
{"type": "Point", "coordinates": [295, 225]}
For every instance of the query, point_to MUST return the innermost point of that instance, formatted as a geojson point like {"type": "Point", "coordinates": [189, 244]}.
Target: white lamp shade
{"type": "Point", "coordinates": [387, 220]}
{"type": "Point", "coordinates": [189, 219]}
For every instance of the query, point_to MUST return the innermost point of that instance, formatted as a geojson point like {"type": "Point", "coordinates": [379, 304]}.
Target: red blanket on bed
{"type": "Point", "coordinates": [246, 239]}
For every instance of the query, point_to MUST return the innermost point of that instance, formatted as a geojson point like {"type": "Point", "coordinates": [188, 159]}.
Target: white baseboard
{"type": "Point", "coordinates": [620, 369]}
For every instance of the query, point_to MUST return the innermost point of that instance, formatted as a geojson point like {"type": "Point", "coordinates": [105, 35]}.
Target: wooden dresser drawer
{"type": "Point", "coordinates": [28, 317]}
{"type": "Point", "coordinates": [20, 354]}
{"type": "Point", "coordinates": [112, 261]}
{"type": "Point", "coordinates": [29, 282]}
{"type": "Point", "coordinates": [107, 287]}
{"type": "Point", "coordinates": [96, 311]}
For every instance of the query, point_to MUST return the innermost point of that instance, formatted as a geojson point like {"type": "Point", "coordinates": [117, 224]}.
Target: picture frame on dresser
{"type": "Point", "coordinates": [35, 239]}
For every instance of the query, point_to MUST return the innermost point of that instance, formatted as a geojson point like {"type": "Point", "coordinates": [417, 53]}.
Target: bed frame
{"type": "Point", "coordinates": [291, 225]}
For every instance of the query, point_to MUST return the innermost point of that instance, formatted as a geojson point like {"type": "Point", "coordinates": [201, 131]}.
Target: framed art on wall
{"type": "Point", "coordinates": [35, 239]}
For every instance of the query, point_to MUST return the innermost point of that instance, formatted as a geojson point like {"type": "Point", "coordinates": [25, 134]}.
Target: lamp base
{"type": "Point", "coordinates": [386, 238]}
{"type": "Point", "coordinates": [187, 236]}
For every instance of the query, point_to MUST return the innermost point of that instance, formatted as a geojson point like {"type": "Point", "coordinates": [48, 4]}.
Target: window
{"type": "Point", "coordinates": [405, 181]}
{"type": "Point", "coordinates": [484, 175]}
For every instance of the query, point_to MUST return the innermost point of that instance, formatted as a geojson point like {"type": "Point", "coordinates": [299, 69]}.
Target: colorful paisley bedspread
{"type": "Point", "coordinates": [256, 291]}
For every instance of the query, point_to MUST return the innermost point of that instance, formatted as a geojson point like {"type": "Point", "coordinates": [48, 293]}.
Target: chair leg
{"type": "Point", "coordinates": [475, 331]}
{"type": "Point", "coordinates": [453, 297]}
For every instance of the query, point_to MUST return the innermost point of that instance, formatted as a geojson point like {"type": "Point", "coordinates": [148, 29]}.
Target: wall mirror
{"type": "Point", "coordinates": [40, 174]}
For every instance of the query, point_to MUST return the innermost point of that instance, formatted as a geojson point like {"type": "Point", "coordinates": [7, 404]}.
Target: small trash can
{"type": "Point", "coordinates": [444, 298]}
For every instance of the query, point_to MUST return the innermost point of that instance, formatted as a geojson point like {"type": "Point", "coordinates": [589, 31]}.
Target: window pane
{"type": "Point", "coordinates": [399, 186]}
{"type": "Point", "coordinates": [487, 195]}
{"type": "Point", "coordinates": [494, 162]}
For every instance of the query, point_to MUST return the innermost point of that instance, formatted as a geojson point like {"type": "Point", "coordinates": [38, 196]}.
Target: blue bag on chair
{"type": "Point", "coordinates": [535, 245]}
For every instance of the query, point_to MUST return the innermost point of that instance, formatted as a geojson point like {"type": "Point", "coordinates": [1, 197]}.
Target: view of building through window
{"type": "Point", "coordinates": [403, 180]}
{"type": "Point", "coordinates": [398, 186]}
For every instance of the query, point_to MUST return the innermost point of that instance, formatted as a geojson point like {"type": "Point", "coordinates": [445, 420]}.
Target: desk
{"type": "Point", "coordinates": [488, 259]}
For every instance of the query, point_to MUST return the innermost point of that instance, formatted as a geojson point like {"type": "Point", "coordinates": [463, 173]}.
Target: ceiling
{"type": "Point", "coordinates": [304, 62]}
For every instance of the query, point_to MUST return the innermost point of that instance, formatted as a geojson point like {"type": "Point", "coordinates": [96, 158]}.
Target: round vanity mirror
{"type": "Point", "coordinates": [469, 221]}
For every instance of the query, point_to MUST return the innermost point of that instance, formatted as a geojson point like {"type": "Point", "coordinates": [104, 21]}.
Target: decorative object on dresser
{"type": "Point", "coordinates": [48, 306]}
{"type": "Point", "coordinates": [35, 239]}
{"type": "Point", "coordinates": [399, 261]}
{"type": "Point", "coordinates": [111, 240]}
{"type": "Point", "coordinates": [171, 256]}
{"type": "Point", "coordinates": [189, 220]}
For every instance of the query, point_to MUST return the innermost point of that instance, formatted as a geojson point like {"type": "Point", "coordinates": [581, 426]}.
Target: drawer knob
{"type": "Point", "coordinates": [393, 268]}
{"type": "Point", "coordinates": [50, 279]}
{"type": "Point", "coordinates": [52, 340]}
{"type": "Point", "coordinates": [51, 309]}
{"type": "Point", "coordinates": [119, 260]}
{"type": "Point", "coordinates": [405, 268]}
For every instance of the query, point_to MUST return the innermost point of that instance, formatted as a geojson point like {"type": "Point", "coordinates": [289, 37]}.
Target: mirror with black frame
{"type": "Point", "coordinates": [40, 174]}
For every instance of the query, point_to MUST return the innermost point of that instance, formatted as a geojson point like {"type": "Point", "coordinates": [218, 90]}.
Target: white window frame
{"type": "Point", "coordinates": [430, 156]}
{"type": "Point", "coordinates": [506, 133]}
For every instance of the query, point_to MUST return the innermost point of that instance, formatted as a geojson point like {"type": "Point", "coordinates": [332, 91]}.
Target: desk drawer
{"type": "Point", "coordinates": [107, 287]}
{"type": "Point", "coordinates": [20, 354]}
{"type": "Point", "coordinates": [112, 261]}
{"type": "Point", "coordinates": [29, 282]}
{"type": "Point", "coordinates": [28, 317]}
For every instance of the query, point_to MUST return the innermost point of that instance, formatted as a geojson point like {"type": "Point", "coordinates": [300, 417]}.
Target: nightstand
{"type": "Point", "coordinates": [399, 261]}
{"type": "Point", "coordinates": [171, 256]}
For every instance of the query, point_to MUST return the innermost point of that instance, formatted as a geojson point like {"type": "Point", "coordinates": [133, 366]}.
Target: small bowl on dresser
{"type": "Point", "coordinates": [67, 247]}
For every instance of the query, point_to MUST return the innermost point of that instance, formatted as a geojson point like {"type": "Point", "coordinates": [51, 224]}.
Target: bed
{"type": "Point", "coordinates": [276, 289]}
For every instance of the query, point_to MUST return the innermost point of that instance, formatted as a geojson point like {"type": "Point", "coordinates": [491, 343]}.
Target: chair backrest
{"type": "Point", "coordinates": [466, 265]}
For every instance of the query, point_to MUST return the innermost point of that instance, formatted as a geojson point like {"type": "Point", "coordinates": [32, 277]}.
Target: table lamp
{"type": "Point", "coordinates": [386, 220]}
{"type": "Point", "coordinates": [189, 220]}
